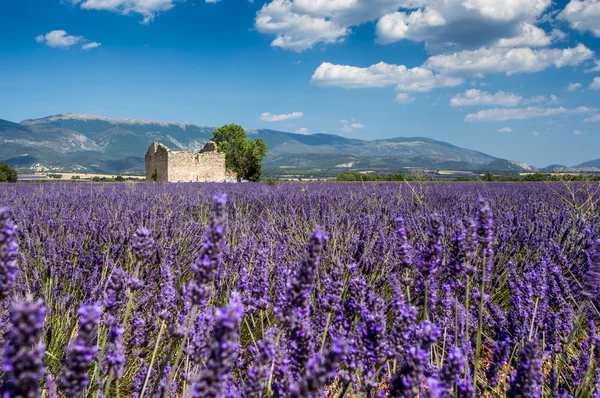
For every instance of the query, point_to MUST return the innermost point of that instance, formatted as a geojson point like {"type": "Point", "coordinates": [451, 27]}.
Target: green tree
{"type": "Point", "coordinates": [7, 173]}
{"type": "Point", "coordinates": [242, 156]}
{"type": "Point", "coordinates": [488, 176]}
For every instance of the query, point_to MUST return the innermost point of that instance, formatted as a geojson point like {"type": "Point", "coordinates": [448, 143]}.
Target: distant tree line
{"type": "Point", "coordinates": [7, 173]}
{"type": "Point", "coordinates": [367, 177]}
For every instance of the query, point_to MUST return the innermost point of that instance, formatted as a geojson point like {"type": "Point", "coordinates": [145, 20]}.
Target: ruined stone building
{"type": "Point", "coordinates": [165, 165]}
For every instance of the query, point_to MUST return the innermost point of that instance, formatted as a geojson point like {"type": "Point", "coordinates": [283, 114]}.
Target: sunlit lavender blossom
{"type": "Point", "coordinates": [24, 351]}
{"type": "Point", "coordinates": [223, 350]}
{"type": "Point", "coordinates": [142, 244]}
{"type": "Point", "coordinates": [81, 352]}
{"type": "Point", "coordinates": [528, 378]}
{"type": "Point", "coordinates": [114, 357]}
{"type": "Point", "coordinates": [206, 265]}
{"type": "Point", "coordinates": [8, 253]}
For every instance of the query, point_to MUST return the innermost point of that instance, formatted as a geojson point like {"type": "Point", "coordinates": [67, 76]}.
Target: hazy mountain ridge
{"type": "Point", "coordinates": [72, 142]}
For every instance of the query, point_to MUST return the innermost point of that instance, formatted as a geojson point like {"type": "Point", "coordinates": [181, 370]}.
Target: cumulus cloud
{"type": "Point", "coordinates": [300, 24]}
{"type": "Point", "coordinates": [404, 98]}
{"type": "Point", "coordinates": [59, 38]}
{"type": "Point", "coordinates": [536, 134]}
{"type": "Point", "coordinates": [502, 114]}
{"type": "Point", "coordinates": [476, 97]}
{"type": "Point", "coordinates": [595, 85]}
{"type": "Point", "coordinates": [509, 60]}
{"type": "Point", "coordinates": [413, 80]}
{"type": "Point", "coordinates": [349, 126]}
{"type": "Point", "coordinates": [505, 130]}
{"type": "Point", "coordinates": [400, 25]}
{"type": "Point", "coordinates": [573, 87]}
{"type": "Point", "coordinates": [148, 9]}
{"type": "Point", "coordinates": [583, 15]}
{"type": "Point", "coordinates": [592, 119]}
{"type": "Point", "coordinates": [89, 46]}
{"type": "Point", "coordinates": [269, 117]}
{"type": "Point", "coordinates": [595, 68]}
{"type": "Point", "coordinates": [577, 132]}
{"type": "Point", "coordinates": [302, 130]}
{"type": "Point", "coordinates": [529, 36]}
{"type": "Point", "coordinates": [295, 30]}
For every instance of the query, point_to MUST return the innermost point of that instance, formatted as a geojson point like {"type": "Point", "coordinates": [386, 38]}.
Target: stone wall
{"type": "Point", "coordinates": [157, 158]}
{"type": "Point", "coordinates": [171, 166]}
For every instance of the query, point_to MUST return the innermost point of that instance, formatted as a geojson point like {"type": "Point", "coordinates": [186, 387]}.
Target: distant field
{"type": "Point", "coordinates": [69, 176]}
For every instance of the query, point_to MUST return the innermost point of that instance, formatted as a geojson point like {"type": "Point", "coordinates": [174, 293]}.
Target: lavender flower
{"type": "Point", "coordinates": [115, 291]}
{"type": "Point", "coordinates": [591, 285]}
{"type": "Point", "coordinates": [206, 265]}
{"type": "Point", "coordinates": [259, 372]}
{"type": "Point", "coordinates": [51, 387]}
{"type": "Point", "coordinates": [406, 383]}
{"type": "Point", "coordinates": [114, 357]}
{"type": "Point", "coordinates": [8, 253]}
{"type": "Point", "coordinates": [223, 350]}
{"type": "Point", "coordinates": [528, 378]}
{"type": "Point", "coordinates": [142, 244]}
{"type": "Point", "coordinates": [403, 247]}
{"type": "Point", "coordinates": [24, 352]}
{"type": "Point", "coordinates": [81, 352]}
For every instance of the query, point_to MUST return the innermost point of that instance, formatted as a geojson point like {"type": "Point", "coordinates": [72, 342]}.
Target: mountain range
{"type": "Point", "coordinates": [95, 144]}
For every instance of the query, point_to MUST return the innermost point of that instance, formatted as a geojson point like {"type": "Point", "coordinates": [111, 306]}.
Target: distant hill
{"type": "Point", "coordinates": [591, 164]}
{"type": "Point", "coordinates": [95, 144]}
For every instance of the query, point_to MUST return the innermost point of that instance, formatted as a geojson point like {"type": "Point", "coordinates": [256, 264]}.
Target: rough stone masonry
{"type": "Point", "coordinates": [165, 165]}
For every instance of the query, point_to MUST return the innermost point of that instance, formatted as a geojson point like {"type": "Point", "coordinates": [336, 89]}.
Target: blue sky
{"type": "Point", "coordinates": [512, 78]}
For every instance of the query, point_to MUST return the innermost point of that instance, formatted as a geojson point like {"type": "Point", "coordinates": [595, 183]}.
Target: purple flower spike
{"type": "Point", "coordinates": [81, 352]}
{"type": "Point", "coordinates": [223, 351]}
{"type": "Point", "coordinates": [528, 378]}
{"type": "Point", "coordinates": [24, 352]}
{"type": "Point", "coordinates": [142, 244]}
{"type": "Point", "coordinates": [8, 253]}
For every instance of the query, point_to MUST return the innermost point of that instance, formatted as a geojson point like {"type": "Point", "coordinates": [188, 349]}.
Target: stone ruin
{"type": "Point", "coordinates": [165, 165]}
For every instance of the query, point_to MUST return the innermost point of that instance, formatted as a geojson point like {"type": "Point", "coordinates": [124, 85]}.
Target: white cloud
{"type": "Point", "coordinates": [573, 87]}
{"type": "Point", "coordinates": [404, 98]}
{"type": "Point", "coordinates": [529, 36]}
{"type": "Point", "coordinates": [595, 68]}
{"type": "Point", "coordinates": [300, 24]}
{"type": "Point", "coordinates": [349, 126]}
{"type": "Point", "coordinates": [59, 38]}
{"type": "Point", "coordinates": [148, 9]}
{"type": "Point", "coordinates": [302, 130]}
{"type": "Point", "coordinates": [294, 30]}
{"type": "Point", "coordinates": [592, 119]}
{"type": "Point", "coordinates": [505, 130]}
{"type": "Point", "coordinates": [595, 84]}
{"type": "Point", "coordinates": [583, 15]}
{"type": "Point", "coordinates": [400, 25]}
{"type": "Point", "coordinates": [476, 97]}
{"type": "Point", "coordinates": [89, 46]}
{"type": "Point", "coordinates": [502, 114]}
{"type": "Point", "coordinates": [414, 80]}
{"type": "Point", "coordinates": [577, 132]}
{"type": "Point", "coordinates": [536, 133]}
{"type": "Point", "coordinates": [509, 61]}
{"type": "Point", "coordinates": [269, 117]}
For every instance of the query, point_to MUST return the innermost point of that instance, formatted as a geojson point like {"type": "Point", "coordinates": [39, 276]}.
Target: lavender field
{"type": "Point", "coordinates": [300, 290]}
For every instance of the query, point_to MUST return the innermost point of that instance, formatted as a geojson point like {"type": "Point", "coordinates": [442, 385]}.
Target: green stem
{"type": "Point", "coordinates": [160, 332]}
{"type": "Point", "coordinates": [188, 324]}
{"type": "Point", "coordinates": [480, 323]}
{"type": "Point", "coordinates": [325, 332]}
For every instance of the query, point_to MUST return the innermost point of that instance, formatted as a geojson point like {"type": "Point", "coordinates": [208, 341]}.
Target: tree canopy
{"type": "Point", "coordinates": [7, 173]}
{"type": "Point", "coordinates": [242, 155]}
